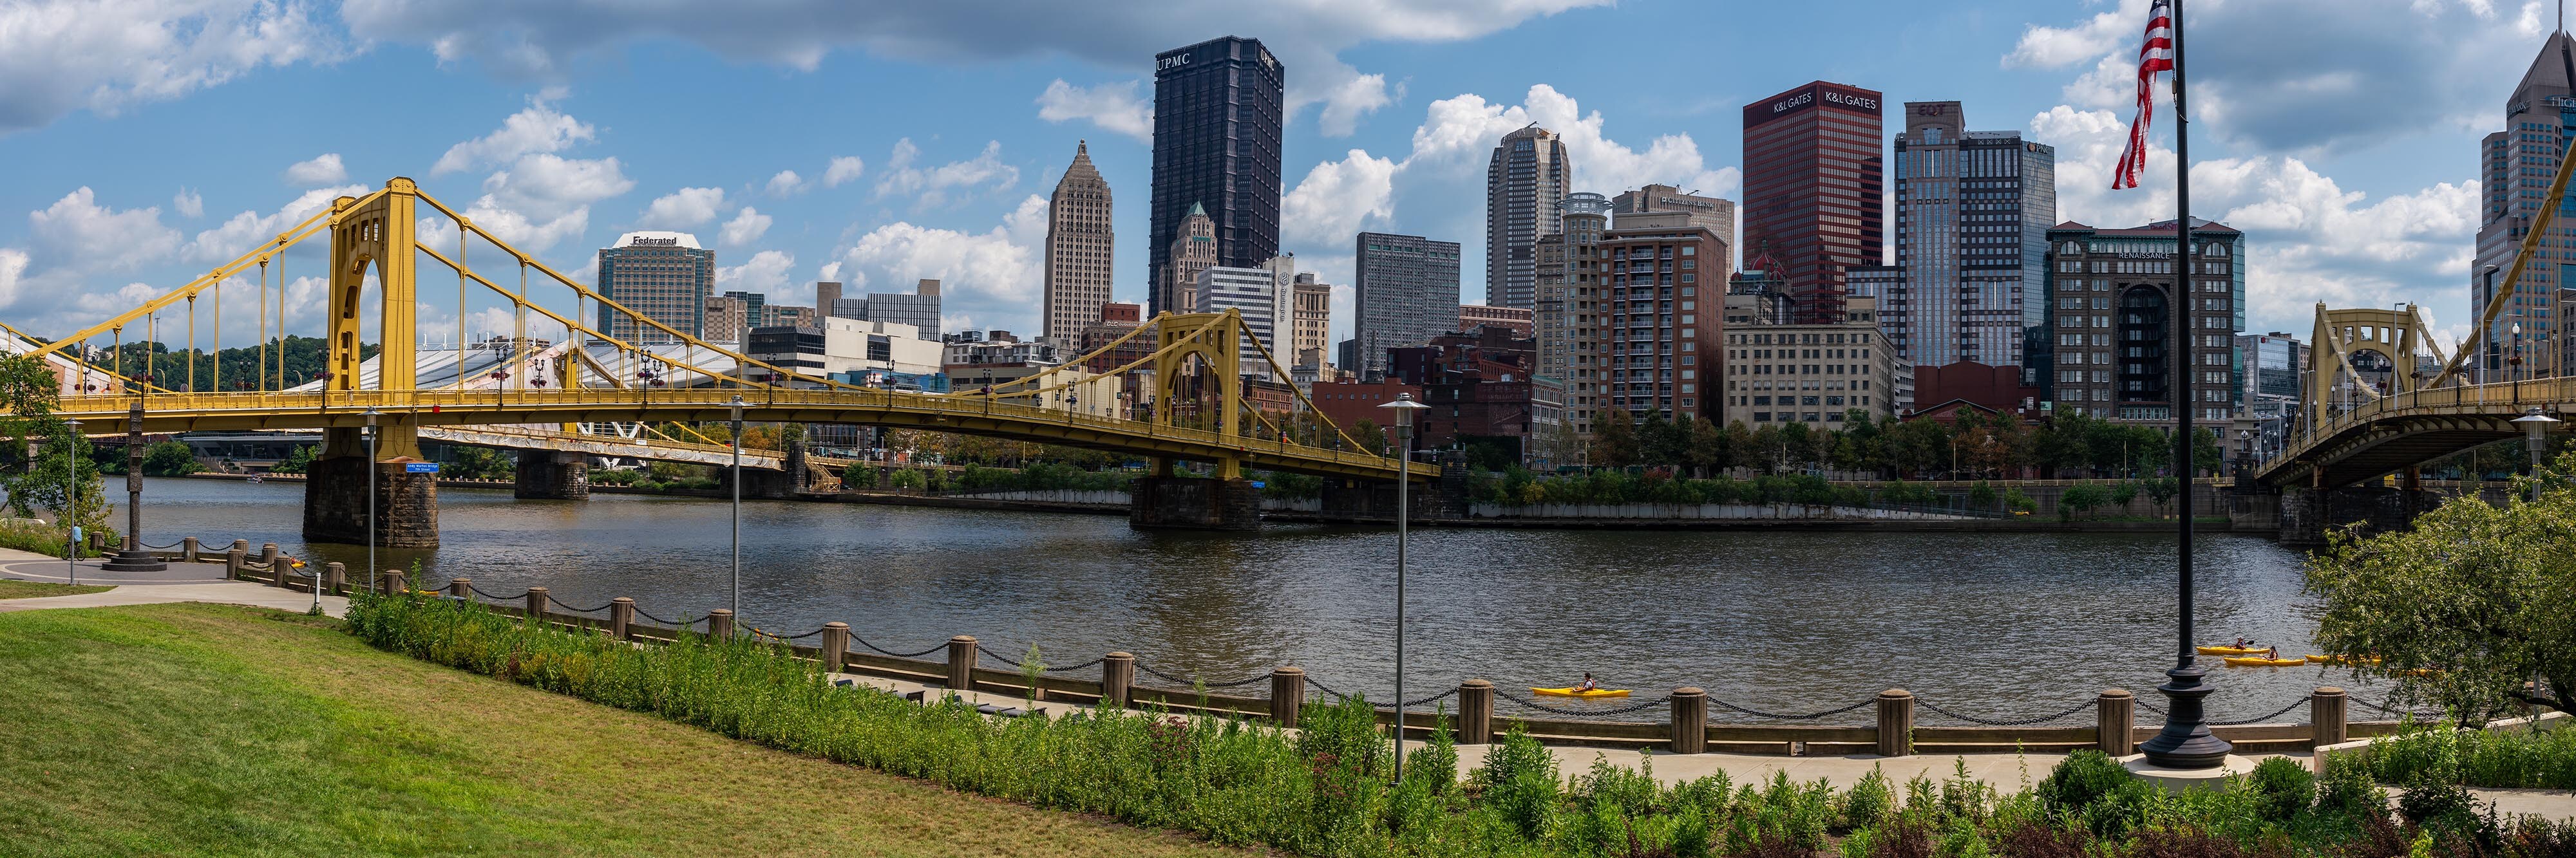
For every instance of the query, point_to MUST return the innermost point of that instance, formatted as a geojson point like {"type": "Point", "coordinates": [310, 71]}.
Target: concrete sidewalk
{"type": "Point", "coordinates": [181, 582]}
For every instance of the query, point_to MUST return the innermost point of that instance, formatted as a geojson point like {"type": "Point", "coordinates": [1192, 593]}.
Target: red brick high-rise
{"type": "Point", "coordinates": [1815, 184]}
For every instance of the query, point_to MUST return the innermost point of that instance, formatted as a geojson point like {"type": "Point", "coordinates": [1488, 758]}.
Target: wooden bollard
{"type": "Point", "coordinates": [2114, 718]}
{"type": "Point", "coordinates": [188, 549]}
{"type": "Point", "coordinates": [234, 557]}
{"type": "Point", "coordinates": [1690, 721]}
{"type": "Point", "coordinates": [2327, 712]}
{"type": "Point", "coordinates": [1117, 679]}
{"type": "Point", "coordinates": [1287, 694]}
{"type": "Point", "coordinates": [461, 588]}
{"type": "Point", "coordinates": [393, 582]}
{"type": "Point", "coordinates": [241, 545]}
{"type": "Point", "coordinates": [1475, 712]}
{"type": "Point", "coordinates": [720, 623]}
{"type": "Point", "coordinates": [1895, 723]}
{"type": "Point", "coordinates": [836, 645]}
{"type": "Point", "coordinates": [276, 570]}
{"type": "Point", "coordinates": [621, 618]}
{"type": "Point", "coordinates": [335, 578]}
{"type": "Point", "coordinates": [536, 607]}
{"type": "Point", "coordinates": [961, 663]}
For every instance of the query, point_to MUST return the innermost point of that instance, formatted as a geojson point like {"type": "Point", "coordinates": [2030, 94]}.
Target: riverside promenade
{"type": "Point", "coordinates": [2007, 772]}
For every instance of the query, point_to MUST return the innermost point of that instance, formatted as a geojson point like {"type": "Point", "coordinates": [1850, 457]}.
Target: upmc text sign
{"type": "Point", "coordinates": [1809, 97]}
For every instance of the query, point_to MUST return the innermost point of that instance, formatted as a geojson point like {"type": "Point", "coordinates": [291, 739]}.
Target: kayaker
{"type": "Point", "coordinates": [1588, 684]}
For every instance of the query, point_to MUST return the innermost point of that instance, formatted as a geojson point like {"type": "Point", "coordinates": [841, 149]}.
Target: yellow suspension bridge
{"type": "Point", "coordinates": [374, 259]}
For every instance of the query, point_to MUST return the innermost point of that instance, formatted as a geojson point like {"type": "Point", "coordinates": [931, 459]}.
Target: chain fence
{"type": "Point", "coordinates": [2294, 704]}
{"type": "Point", "coordinates": [1195, 683]}
{"type": "Point", "coordinates": [2009, 722]}
{"type": "Point", "coordinates": [883, 651]}
{"type": "Point", "coordinates": [1426, 701]}
{"type": "Point", "coordinates": [677, 625]}
{"type": "Point", "coordinates": [1810, 716]}
{"type": "Point", "coordinates": [1581, 713]}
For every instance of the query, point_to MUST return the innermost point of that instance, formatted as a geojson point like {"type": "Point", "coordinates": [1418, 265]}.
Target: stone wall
{"type": "Point", "coordinates": [1194, 503]}
{"type": "Point", "coordinates": [544, 474]}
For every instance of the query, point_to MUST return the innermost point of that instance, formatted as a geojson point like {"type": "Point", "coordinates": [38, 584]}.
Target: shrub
{"type": "Point", "coordinates": [2081, 779]}
{"type": "Point", "coordinates": [1519, 782]}
{"type": "Point", "coordinates": [2283, 788]}
{"type": "Point", "coordinates": [1869, 802]}
{"type": "Point", "coordinates": [2348, 791]}
{"type": "Point", "coordinates": [2439, 805]}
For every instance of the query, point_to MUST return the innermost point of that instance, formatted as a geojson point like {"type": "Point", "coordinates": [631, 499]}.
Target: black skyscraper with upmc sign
{"type": "Point", "coordinates": [1218, 112]}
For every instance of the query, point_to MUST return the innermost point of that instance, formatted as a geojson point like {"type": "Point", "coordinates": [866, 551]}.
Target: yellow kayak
{"type": "Point", "coordinates": [1586, 695]}
{"type": "Point", "coordinates": [2259, 661]}
{"type": "Point", "coordinates": [2231, 650]}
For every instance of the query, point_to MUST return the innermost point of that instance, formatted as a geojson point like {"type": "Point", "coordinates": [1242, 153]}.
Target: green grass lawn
{"type": "Point", "coordinates": [207, 729]}
{"type": "Point", "coordinates": [13, 589]}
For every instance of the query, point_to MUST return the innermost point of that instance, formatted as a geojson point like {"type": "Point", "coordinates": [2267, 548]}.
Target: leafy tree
{"type": "Point", "coordinates": [2065, 443]}
{"type": "Point", "coordinates": [297, 460]}
{"type": "Point", "coordinates": [64, 478]}
{"type": "Point", "coordinates": [1919, 446]}
{"type": "Point", "coordinates": [2124, 492]}
{"type": "Point", "coordinates": [1797, 446]}
{"type": "Point", "coordinates": [1370, 437]}
{"type": "Point", "coordinates": [2015, 501]}
{"type": "Point", "coordinates": [169, 459]}
{"type": "Point", "coordinates": [1770, 452]}
{"type": "Point", "coordinates": [1708, 451]}
{"type": "Point", "coordinates": [1981, 495]}
{"type": "Point", "coordinates": [1614, 439]}
{"type": "Point", "coordinates": [1662, 443]}
{"type": "Point", "coordinates": [2162, 490]}
{"type": "Point", "coordinates": [2205, 458]}
{"type": "Point", "coordinates": [2082, 499]}
{"type": "Point", "coordinates": [2463, 608]}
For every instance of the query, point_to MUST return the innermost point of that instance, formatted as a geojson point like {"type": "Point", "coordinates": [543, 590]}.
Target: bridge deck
{"type": "Point", "coordinates": [2411, 428]}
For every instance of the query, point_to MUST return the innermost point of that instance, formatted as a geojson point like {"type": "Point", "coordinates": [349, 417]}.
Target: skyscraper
{"type": "Point", "coordinates": [2113, 291]}
{"type": "Point", "coordinates": [662, 275]}
{"type": "Point", "coordinates": [1814, 180]}
{"type": "Point", "coordinates": [1218, 114]}
{"type": "Point", "coordinates": [1192, 250]}
{"type": "Point", "coordinates": [1973, 210]}
{"type": "Point", "coordinates": [1663, 332]}
{"type": "Point", "coordinates": [1406, 292]}
{"type": "Point", "coordinates": [1528, 174]}
{"type": "Point", "coordinates": [1078, 246]}
{"type": "Point", "coordinates": [1571, 305]}
{"type": "Point", "coordinates": [2516, 165]}
{"type": "Point", "coordinates": [1261, 296]}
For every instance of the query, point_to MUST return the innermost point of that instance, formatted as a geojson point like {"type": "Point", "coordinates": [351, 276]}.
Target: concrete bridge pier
{"type": "Point", "coordinates": [2309, 515]}
{"type": "Point", "coordinates": [551, 475]}
{"type": "Point", "coordinates": [1193, 503]}
{"type": "Point", "coordinates": [769, 484]}
{"type": "Point", "coordinates": [335, 491]}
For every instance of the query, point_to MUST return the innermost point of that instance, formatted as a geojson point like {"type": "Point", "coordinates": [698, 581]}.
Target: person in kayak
{"type": "Point", "coordinates": [1588, 684]}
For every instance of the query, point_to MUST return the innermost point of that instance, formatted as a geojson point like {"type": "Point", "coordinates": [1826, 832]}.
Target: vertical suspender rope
{"type": "Point", "coordinates": [519, 344]}
{"type": "Point", "coordinates": [260, 374]}
{"type": "Point", "coordinates": [192, 340]}
{"type": "Point", "coordinates": [281, 313]}
{"type": "Point", "coordinates": [218, 381]}
{"type": "Point", "coordinates": [460, 300]}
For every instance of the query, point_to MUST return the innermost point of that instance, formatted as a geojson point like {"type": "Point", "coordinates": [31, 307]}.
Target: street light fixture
{"type": "Point", "coordinates": [71, 500]}
{"type": "Point", "coordinates": [736, 406]}
{"type": "Point", "coordinates": [2535, 433]}
{"type": "Point", "coordinates": [1404, 407]}
{"type": "Point", "coordinates": [371, 498]}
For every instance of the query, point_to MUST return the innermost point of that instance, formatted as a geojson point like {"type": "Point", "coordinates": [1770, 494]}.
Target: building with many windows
{"type": "Point", "coordinates": [1662, 318]}
{"type": "Point", "coordinates": [1715, 213]}
{"type": "Point", "coordinates": [1780, 372]}
{"type": "Point", "coordinates": [2111, 320]}
{"type": "Point", "coordinates": [664, 276]}
{"type": "Point", "coordinates": [1814, 189]}
{"type": "Point", "coordinates": [1219, 107]}
{"type": "Point", "coordinates": [1572, 299]}
{"type": "Point", "coordinates": [1529, 172]}
{"type": "Point", "coordinates": [1973, 210]}
{"type": "Point", "coordinates": [1261, 296]}
{"type": "Point", "coordinates": [1473, 316]}
{"type": "Point", "coordinates": [2515, 167]}
{"type": "Point", "coordinates": [1310, 337]}
{"type": "Point", "coordinates": [2273, 364]}
{"type": "Point", "coordinates": [919, 309]}
{"type": "Point", "coordinates": [1077, 249]}
{"type": "Point", "coordinates": [1193, 250]}
{"type": "Point", "coordinates": [1405, 292]}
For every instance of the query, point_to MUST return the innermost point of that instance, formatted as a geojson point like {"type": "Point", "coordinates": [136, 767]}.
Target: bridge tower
{"type": "Point", "coordinates": [379, 238]}
{"type": "Point", "coordinates": [2356, 357]}
{"type": "Point", "coordinates": [1206, 346]}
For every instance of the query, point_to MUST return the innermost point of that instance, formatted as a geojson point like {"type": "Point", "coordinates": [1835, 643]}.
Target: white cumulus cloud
{"type": "Point", "coordinates": [323, 169]}
{"type": "Point", "coordinates": [1114, 107]}
{"type": "Point", "coordinates": [747, 226]}
{"type": "Point", "coordinates": [246, 231]}
{"type": "Point", "coordinates": [786, 183]}
{"type": "Point", "coordinates": [987, 279]}
{"type": "Point", "coordinates": [1338, 198]}
{"type": "Point", "coordinates": [539, 128]}
{"type": "Point", "coordinates": [843, 170]}
{"type": "Point", "coordinates": [58, 56]}
{"type": "Point", "coordinates": [83, 235]}
{"type": "Point", "coordinates": [188, 204]}
{"type": "Point", "coordinates": [683, 209]}
{"type": "Point", "coordinates": [765, 272]}
{"type": "Point", "coordinates": [931, 187]}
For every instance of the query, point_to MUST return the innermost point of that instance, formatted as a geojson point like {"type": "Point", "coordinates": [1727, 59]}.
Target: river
{"type": "Point", "coordinates": [1992, 625]}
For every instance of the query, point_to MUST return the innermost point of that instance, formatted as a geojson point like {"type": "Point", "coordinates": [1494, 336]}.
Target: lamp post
{"type": "Point", "coordinates": [71, 500]}
{"type": "Point", "coordinates": [2535, 434]}
{"type": "Point", "coordinates": [2514, 363]}
{"type": "Point", "coordinates": [371, 498]}
{"type": "Point", "coordinates": [1404, 407]}
{"type": "Point", "coordinates": [736, 407]}
{"type": "Point", "coordinates": [133, 557]}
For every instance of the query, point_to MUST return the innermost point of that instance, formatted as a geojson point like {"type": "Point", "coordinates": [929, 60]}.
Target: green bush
{"type": "Point", "coordinates": [859, 475]}
{"type": "Point", "coordinates": [169, 459]}
{"type": "Point", "coordinates": [2283, 788]}
{"type": "Point", "coordinates": [2479, 758]}
{"type": "Point", "coordinates": [2347, 790]}
{"type": "Point", "coordinates": [2084, 777]}
{"type": "Point", "coordinates": [1519, 782]}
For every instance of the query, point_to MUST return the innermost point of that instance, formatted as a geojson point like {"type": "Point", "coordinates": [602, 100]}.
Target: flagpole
{"type": "Point", "coordinates": [2185, 742]}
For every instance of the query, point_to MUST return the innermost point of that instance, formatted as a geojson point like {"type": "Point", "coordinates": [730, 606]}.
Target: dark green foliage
{"type": "Point", "coordinates": [168, 459]}
{"type": "Point", "coordinates": [1040, 477]}
{"type": "Point", "coordinates": [2348, 792]}
{"type": "Point", "coordinates": [297, 461]}
{"type": "Point", "coordinates": [2283, 788]}
{"type": "Point", "coordinates": [1519, 782]}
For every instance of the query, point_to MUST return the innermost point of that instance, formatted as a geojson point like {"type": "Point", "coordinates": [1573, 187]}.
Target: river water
{"type": "Point", "coordinates": [1992, 625]}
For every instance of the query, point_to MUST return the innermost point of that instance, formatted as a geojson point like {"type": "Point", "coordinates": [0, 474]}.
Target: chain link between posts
{"type": "Point", "coordinates": [883, 651]}
{"type": "Point", "coordinates": [1721, 704]}
{"type": "Point", "coordinates": [2010, 722]}
{"type": "Point", "coordinates": [1581, 713]}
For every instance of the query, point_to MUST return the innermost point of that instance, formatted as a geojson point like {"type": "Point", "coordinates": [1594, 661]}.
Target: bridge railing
{"type": "Point", "coordinates": [2490, 398]}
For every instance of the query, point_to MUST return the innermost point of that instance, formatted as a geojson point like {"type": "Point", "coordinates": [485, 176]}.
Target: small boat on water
{"type": "Point", "coordinates": [1583, 695]}
{"type": "Point", "coordinates": [2259, 661]}
{"type": "Point", "coordinates": [2231, 650]}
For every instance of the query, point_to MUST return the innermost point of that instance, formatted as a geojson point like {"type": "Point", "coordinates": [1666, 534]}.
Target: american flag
{"type": "Point", "coordinates": [2155, 55]}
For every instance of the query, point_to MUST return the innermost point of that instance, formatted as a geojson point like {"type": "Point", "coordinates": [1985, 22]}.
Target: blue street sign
{"type": "Point", "coordinates": [420, 467]}
{"type": "Point", "coordinates": [1259, 484]}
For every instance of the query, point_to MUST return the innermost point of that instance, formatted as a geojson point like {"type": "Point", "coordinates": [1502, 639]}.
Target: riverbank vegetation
{"type": "Point", "coordinates": [215, 730]}
{"type": "Point", "coordinates": [2466, 610]}
{"type": "Point", "coordinates": [1325, 790]}
{"type": "Point", "coordinates": [1973, 443]}
{"type": "Point", "coordinates": [2510, 757]}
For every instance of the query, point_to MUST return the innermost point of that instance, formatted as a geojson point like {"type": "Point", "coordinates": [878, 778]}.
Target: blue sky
{"type": "Point", "coordinates": [151, 139]}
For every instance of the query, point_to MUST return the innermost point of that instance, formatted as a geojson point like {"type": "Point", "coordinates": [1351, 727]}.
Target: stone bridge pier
{"type": "Point", "coordinates": [1166, 500]}
{"type": "Point", "coordinates": [551, 475]}
{"type": "Point", "coordinates": [2309, 514]}
{"type": "Point", "coordinates": [335, 490]}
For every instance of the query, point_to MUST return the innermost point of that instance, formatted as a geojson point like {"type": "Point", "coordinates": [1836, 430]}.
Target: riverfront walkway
{"type": "Point", "coordinates": [182, 582]}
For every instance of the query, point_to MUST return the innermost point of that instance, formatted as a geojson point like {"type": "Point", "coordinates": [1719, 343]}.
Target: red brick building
{"type": "Point", "coordinates": [1815, 179]}
{"type": "Point", "coordinates": [1993, 388]}
{"type": "Point", "coordinates": [1480, 386]}
{"type": "Point", "coordinates": [1346, 403]}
